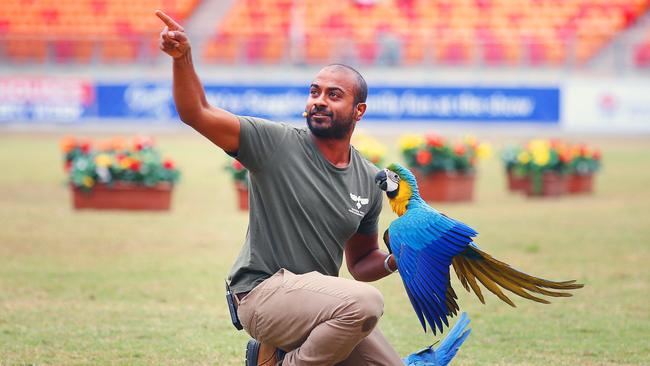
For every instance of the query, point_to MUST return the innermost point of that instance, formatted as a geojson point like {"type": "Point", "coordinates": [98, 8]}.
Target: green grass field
{"type": "Point", "coordinates": [147, 288]}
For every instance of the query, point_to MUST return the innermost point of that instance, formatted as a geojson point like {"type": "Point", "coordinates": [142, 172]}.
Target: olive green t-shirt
{"type": "Point", "coordinates": [302, 208]}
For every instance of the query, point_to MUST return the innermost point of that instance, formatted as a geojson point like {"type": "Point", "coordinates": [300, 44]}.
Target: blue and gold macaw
{"type": "Point", "coordinates": [426, 243]}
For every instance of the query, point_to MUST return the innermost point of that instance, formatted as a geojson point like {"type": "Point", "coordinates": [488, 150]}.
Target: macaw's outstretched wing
{"type": "Point", "coordinates": [473, 264]}
{"type": "Point", "coordinates": [424, 243]}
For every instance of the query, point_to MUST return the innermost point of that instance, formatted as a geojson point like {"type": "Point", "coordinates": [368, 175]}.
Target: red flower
{"type": "Point", "coordinates": [68, 165]}
{"type": "Point", "coordinates": [85, 147]}
{"type": "Point", "coordinates": [556, 143]}
{"type": "Point", "coordinates": [141, 142]}
{"type": "Point", "coordinates": [583, 150]}
{"type": "Point", "coordinates": [435, 140]}
{"type": "Point", "coordinates": [459, 149]}
{"type": "Point", "coordinates": [168, 164]}
{"type": "Point", "coordinates": [596, 155]}
{"type": "Point", "coordinates": [135, 165]}
{"type": "Point", "coordinates": [423, 157]}
{"type": "Point", "coordinates": [237, 165]}
{"type": "Point", "coordinates": [565, 156]}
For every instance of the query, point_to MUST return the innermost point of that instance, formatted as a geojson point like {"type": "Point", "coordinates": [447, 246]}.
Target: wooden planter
{"type": "Point", "coordinates": [551, 185]}
{"type": "Point", "coordinates": [445, 186]}
{"type": "Point", "coordinates": [123, 196]}
{"type": "Point", "coordinates": [242, 196]}
{"type": "Point", "coordinates": [580, 183]}
{"type": "Point", "coordinates": [517, 183]}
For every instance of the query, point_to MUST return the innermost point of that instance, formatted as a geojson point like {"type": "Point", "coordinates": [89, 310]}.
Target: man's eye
{"type": "Point", "coordinates": [313, 93]}
{"type": "Point", "coordinates": [334, 95]}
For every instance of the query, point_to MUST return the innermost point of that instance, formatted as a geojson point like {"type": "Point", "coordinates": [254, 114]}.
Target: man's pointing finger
{"type": "Point", "coordinates": [171, 23]}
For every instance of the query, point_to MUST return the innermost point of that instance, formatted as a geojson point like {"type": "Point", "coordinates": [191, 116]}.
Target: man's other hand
{"type": "Point", "coordinates": [173, 40]}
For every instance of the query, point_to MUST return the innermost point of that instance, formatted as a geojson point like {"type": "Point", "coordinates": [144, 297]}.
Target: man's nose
{"type": "Point", "coordinates": [320, 101]}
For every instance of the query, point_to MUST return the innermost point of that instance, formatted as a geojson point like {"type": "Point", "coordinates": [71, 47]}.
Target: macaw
{"type": "Point", "coordinates": [425, 243]}
{"type": "Point", "coordinates": [442, 355]}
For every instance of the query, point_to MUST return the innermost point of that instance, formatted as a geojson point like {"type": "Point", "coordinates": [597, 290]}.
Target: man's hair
{"type": "Point", "coordinates": [361, 89]}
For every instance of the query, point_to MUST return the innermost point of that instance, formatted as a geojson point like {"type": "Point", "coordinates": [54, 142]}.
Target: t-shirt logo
{"type": "Point", "coordinates": [360, 201]}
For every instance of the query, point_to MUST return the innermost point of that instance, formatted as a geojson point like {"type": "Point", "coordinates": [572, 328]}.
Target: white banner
{"type": "Point", "coordinates": [607, 104]}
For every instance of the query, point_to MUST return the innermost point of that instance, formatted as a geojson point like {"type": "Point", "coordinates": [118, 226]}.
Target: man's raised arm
{"type": "Point", "coordinates": [219, 126]}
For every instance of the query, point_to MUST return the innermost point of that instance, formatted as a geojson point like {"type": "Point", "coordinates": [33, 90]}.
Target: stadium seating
{"type": "Point", "coordinates": [491, 32]}
{"type": "Point", "coordinates": [83, 30]}
{"type": "Point", "coordinates": [642, 53]}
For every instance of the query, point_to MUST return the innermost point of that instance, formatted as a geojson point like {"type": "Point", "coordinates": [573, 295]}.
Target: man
{"type": "Point", "coordinates": [312, 198]}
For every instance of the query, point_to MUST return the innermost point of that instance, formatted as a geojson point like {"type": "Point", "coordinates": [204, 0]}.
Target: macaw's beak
{"type": "Point", "coordinates": [387, 181]}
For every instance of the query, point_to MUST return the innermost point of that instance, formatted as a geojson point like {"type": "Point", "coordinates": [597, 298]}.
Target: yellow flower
{"type": "Point", "coordinates": [103, 160]}
{"type": "Point", "coordinates": [410, 141]}
{"type": "Point", "coordinates": [484, 151]}
{"type": "Point", "coordinates": [370, 148]}
{"type": "Point", "coordinates": [126, 162]}
{"type": "Point", "coordinates": [523, 157]}
{"type": "Point", "coordinates": [539, 144]}
{"type": "Point", "coordinates": [87, 181]}
{"type": "Point", "coordinates": [471, 141]}
{"type": "Point", "coordinates": [541, 157]}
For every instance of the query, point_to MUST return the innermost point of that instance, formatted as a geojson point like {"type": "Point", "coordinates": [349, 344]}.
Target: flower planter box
{"type": "Point", "coordinates": [242, 196]}
{"type": "Point", "coordinates": [580, 183]}
{"type": "Point", "coordinates": [551, 185]}
{"type": "Point", "coordinates": [123, 196]}
{"type": "Point", "coordinates": [517, 183]}
{"type": "Point", "coordinates": [446, 187]}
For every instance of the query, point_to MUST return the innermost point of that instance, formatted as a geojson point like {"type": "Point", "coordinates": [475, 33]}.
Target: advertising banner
{"type": "Point", "coordinates": [46, 99]}
{"type": "Point", "coordinates": [607, 104]}
{"type": "Point", "coordinates": [70, 100]}
{"type": "Point", "coordinates": [154, 101]}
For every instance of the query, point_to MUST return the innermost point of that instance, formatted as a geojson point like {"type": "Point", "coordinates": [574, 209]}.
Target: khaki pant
{"type": "Point", "coordinates": [318, 319]}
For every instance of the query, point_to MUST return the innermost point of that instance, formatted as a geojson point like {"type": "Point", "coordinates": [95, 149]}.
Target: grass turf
{"type": "Point", "coordinates": [146, 288]}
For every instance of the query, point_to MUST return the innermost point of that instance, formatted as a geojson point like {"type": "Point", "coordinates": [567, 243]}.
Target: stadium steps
{"type": "Point", "coordinates": [623, 43]}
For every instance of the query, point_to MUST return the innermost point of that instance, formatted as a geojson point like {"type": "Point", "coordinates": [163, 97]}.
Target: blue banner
{"type": "Point", "coordinates": [539, 105]}
{"type": "Point", "coordinates": [154, 101]}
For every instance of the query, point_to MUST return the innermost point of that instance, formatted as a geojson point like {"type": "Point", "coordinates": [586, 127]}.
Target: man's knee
{"type": "Point", "coordinates": [369, 306]}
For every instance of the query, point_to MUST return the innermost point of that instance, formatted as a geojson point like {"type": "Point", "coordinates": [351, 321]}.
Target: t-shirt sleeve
{"type": "Point", "coordinates": [258, 141]}
{"type": "Point", "coordinates": [370, 222]}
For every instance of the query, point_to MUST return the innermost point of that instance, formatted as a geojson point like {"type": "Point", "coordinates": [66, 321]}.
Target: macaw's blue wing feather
{"type": "Point", "coordinates": [424, 243]}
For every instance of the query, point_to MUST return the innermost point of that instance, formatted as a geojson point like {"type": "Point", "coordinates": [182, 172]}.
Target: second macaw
{"type": "Point", "coordinates": [426, 243]}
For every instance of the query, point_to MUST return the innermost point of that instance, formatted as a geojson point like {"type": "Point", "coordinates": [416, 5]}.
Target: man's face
{"type": "Point", "coordinates": [330, 107]}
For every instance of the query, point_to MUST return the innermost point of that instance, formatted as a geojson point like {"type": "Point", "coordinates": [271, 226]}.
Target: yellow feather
{"type": "Point", "coordinates": [399, 203]}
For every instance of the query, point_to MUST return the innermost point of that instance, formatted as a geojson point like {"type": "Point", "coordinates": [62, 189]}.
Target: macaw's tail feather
{"type": "Point", "coordinates": [452, 342]}
{"type": "Point", "coordinates": [473, 264]}
{"type": "Point", "coordinates": [442, 355]}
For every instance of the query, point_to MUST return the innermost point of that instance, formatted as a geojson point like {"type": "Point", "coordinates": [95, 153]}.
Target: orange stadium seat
{"type": "Point", "coordinates": [490, 32]}
{"type": "Point", "coordinates": [493, 32]}
{"type": "Point", "coordinates": [77, 30]}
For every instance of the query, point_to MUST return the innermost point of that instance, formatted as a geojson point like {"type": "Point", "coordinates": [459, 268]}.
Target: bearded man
{"type": "Point", "coordinates": [312, 198]}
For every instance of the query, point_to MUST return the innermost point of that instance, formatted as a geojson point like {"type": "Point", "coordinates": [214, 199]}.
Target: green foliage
{"type": "Point", "coordinates": [237, 171]}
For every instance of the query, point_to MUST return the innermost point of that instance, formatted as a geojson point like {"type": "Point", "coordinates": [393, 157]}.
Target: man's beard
{"type": "Point", "coordinates": [338, 129]}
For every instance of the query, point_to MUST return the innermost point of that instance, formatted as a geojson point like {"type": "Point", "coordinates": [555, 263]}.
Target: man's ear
{"type": "Point", "coordinates": [360, 110]}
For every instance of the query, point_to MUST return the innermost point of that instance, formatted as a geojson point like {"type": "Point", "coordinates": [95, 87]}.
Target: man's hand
{"type": "Point", "coordinates": [173, 40]}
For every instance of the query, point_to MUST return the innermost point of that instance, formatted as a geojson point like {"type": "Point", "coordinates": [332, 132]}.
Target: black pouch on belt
{"type": "Point", "coordinates": [232, 308]}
